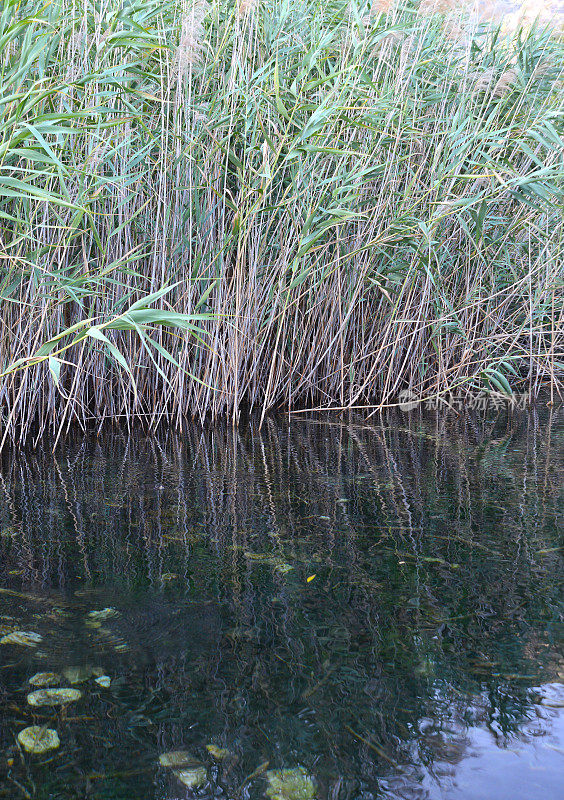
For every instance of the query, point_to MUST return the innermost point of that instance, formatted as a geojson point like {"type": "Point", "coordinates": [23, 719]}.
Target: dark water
{"type": "Point", "coordinates": [377, 603]}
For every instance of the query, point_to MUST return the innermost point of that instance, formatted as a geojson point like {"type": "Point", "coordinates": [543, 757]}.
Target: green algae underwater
{"type": "Point", "coordinates": [322, 608]}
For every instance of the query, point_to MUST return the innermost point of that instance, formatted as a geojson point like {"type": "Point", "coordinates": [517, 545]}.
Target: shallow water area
{"type": "Point", "coordinates": [328, 608]}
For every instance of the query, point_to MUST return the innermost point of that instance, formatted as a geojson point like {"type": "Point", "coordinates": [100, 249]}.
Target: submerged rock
{"type": "Point", "coordinates": [551, 695]}
{"type": "Point", "coordinates": [104, 681]}
{"type": "Point", "coordinates": [283, 568]}
{"type": "Point", "coordinates": [220, 753]}
{"type": "Point", "coordinates": [192, 778]}
{"type": "Point", "coordinates": [78, 674]}
{"type": "Point", "coordinates": [37, 739]}
{"type": "Point", "coordinates": [45, 679]}
{"type": "Point", "coordinates": [53, 697]}
{"type": "Point", "coordinates": [24, 638]}
{"type": "Point", "coordinates": [179, 758]}
{"type": "Point", "coordinates": [103, 613]}
{"type": "Point", "coordinates": [290, 784]}
{"type": "Point", "coordinates": [189, 770]}
{"type": "Point", "coordinates": [553, 702]}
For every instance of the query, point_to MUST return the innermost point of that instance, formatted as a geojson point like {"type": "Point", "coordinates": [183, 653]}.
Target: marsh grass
{"type": "Point", "coordinates": [211, 207]}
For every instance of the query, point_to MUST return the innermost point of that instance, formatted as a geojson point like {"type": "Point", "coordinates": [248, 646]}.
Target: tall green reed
{"type": "Point", "coordinates": [206, 207]}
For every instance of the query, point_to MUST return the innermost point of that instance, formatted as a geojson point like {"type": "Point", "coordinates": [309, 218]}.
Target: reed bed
{"type": "Point", "coordinates": [206, 208]}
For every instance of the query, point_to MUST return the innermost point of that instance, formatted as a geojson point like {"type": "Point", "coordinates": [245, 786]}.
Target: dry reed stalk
{"type": "Point", "coordinates": [246, 7]}
{"type": "Point", "coordinates": [191, 41]}
{"type": "Point", "coordinates": [498, 84]}
{"type": "Point", "coordinates": [440, 6]}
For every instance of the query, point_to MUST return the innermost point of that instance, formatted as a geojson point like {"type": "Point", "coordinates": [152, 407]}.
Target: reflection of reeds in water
{"type": "Point", "coordinates": [229, 488]}
{"type": "Point", "coordinates": [379, 512]}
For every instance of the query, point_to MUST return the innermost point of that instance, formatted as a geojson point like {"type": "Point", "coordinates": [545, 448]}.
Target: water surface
{"type": "Point", "coordinates": [378, 603]}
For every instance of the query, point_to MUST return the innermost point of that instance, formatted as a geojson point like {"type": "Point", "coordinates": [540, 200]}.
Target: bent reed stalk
{"type": "Point", "coordinates": [206, 207]}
